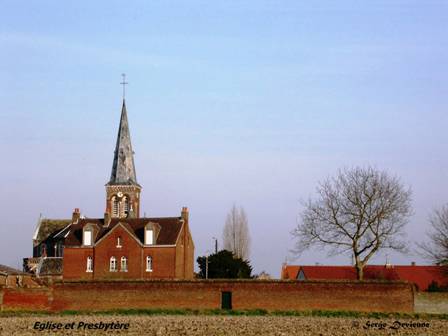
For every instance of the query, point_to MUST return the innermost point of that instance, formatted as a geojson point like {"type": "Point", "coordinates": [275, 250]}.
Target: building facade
{"type": "Point", "coordinates": [121, 245]}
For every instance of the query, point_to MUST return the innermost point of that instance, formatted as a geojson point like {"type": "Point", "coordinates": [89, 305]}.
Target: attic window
{"type": "Point", "coordinates": [149, 236]}
{"type": "Point", "coordinates": [87, 239]}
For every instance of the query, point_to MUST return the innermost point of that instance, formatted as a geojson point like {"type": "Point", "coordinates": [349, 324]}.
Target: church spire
{"type": "Point", "coordinates": [123, 168]}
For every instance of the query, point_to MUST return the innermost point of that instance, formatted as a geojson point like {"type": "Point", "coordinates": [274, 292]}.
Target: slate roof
{"type": "Point", "coordinates": [48, 227]}
{"type": "Point", "coordinates": [123, 168]}
{"type": "Point", "coordinates": [170, 228]}
{"type": "Point", "coordinates": [420, 275]}
{"type": "Point", "coordinates": [6, 270]}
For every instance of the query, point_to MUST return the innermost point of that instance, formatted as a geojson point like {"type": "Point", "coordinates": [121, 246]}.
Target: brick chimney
{"type": "Point", "coordinates": [76, 215]}
{"type": "Point", "coordinates": [184, 214]}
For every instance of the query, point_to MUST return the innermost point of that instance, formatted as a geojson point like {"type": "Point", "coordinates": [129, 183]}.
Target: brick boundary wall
{"type": "Point", "coordinates": [269, 295]}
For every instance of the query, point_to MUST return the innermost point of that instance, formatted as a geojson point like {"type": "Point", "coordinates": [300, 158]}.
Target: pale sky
{"type": "Point", "coordinates": [246, 102]}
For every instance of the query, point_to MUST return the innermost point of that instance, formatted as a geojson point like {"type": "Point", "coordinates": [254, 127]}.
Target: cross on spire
{"type": "Point", "coordinates": [124, 83]}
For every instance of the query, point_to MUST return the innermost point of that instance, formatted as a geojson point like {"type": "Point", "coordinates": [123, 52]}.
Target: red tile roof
{"type": "Point", "coordinates": [422, 276]}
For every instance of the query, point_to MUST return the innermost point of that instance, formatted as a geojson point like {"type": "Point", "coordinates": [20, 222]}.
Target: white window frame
{"type": "Point", "coordinates": [148, 264]}
{"type": "Point", "coordinates": [149, 236]}
{"type": "Point", "coordinates": [113, 264]}
{"type": "Point", "coordinates": [124, 262]}
{"type": "Point", "coordinates": [89, 265]}
{"type": "Point", "coordinates": [87, 233]}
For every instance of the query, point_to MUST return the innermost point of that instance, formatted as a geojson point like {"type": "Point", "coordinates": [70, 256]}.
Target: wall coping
{"type": "Point", "coordinates": [226, 281]}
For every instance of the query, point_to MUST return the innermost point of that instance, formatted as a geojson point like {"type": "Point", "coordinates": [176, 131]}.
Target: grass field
{"type": "Point", "coordinates": [434, 303]}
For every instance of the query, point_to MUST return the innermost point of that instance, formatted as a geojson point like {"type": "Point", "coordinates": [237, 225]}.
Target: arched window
{"type": "Point", "coordinates": [124, 264]}
{"type": "Point", "coordinates": [126, 206]}
{"type": "Point", "coordinates": [148, 264]}
{"type": "Point", "coordinates": [115, 207]}
{"type": "Point", "coordinates": [113, 264]}
{"type": "Point", "coordinates": [89, 264]}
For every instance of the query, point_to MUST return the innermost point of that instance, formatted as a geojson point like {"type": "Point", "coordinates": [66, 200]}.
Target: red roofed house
{"type": "Point", "coordinates": [122, 245]}
{"type": "Point", "coordinates": [421, 276]}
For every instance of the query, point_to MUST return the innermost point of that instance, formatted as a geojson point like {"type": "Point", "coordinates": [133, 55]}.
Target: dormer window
{"type": "Point", "coordinates": [149, 235]}
{"type": "Point", "coordinates": [87, 237]}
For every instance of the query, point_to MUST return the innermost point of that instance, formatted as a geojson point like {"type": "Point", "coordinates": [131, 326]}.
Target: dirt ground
{"type": "Point", "coordinates": [225, 325]}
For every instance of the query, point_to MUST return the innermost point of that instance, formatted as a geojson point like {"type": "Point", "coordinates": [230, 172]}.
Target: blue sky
{"type": "Point", "coordinates": [246, 102]}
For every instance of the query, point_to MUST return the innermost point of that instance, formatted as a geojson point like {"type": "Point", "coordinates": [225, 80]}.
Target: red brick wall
{"type": "Point", "coordinates": [163, 260]}
{"type": "Point", "coordinates": [25, 299]}
{"type": "Point", "coordinates": [107, 248]}
{"type": "Point", "coordinates": [271, 295]}
{"type": "Point", "coordinates": [75, 263]}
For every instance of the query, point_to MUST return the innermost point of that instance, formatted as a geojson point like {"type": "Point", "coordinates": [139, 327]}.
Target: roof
{"type": "Point", "coordinates": [48, 227]}
{"type": "Point", "coordinates": [6, 270]}
{"type": "Point", "coordinates": [123, 168]}
{"type": "Point", "coordinates": [50, 266]}
{"type": "Point", "coordinates": [170, 228]}
{"type": "Point", "coordinates": [420, 275]}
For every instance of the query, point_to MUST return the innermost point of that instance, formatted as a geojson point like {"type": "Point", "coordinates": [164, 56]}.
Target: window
{"type": "Point", "coordinates": [89, 264]}
{"type": "Point", "coordinates": [148, 264]}
{"type": "Point", "coordinates": [119, 242]}
{"type": "Point", "coordinates": [87, 237]}
{"type": "Point", "coordinates": [149, 234]}
{"type": "Point", "coordinates": [115, 207]}
{"type": "Point", "coordinates": [126, 206]}
{"type": "Point", "coordinates": [113, 264]}
{"type": "Point", "coordinates": [124, 264]}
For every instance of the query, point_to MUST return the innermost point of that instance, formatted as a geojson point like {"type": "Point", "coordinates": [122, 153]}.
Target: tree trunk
{"type": "Point", "coordinates": [360, 272]}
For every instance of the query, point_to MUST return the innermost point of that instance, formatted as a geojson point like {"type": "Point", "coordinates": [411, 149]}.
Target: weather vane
{"type": "Point", "coordinates": [124, 83]}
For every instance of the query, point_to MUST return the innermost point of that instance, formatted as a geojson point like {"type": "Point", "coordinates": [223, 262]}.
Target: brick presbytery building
{"type": "Point", "coordinates": [122, 245]}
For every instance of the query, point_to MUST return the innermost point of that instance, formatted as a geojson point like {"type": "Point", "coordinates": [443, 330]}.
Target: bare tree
{"type": "Point", "coordinates": [436, 250]}
{"type": "Point", "coordinates": [358, 212]}
{"type": "Point", "coordinates": [236, 236]}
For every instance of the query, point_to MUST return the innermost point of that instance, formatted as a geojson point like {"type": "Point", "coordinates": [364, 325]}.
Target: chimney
{"type": "Point", "coordinates": [184, 214]}
{"type": "Point", "coordinates": [413, 263]}
{"type": "Point", "coordinates": [388, 264]}
{"type": "Point", "coordinates": [76, 215]}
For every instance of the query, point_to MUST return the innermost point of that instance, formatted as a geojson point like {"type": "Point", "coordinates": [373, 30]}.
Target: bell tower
{"type": "Point", "coordinates": [122, 190]}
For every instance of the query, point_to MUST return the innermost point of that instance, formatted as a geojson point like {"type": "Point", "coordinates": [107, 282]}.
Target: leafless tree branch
{"type": "Point", "coordinates": [359, 211]}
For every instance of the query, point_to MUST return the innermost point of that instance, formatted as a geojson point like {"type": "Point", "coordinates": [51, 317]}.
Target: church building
{"type": "Point", "coordinates": [121, 245]}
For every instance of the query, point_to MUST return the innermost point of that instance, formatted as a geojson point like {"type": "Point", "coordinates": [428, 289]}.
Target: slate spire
{"type": "Point", "coordinates": [123, 168]}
